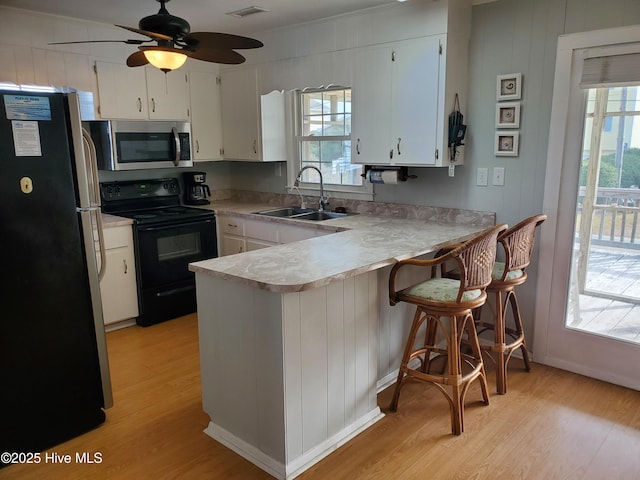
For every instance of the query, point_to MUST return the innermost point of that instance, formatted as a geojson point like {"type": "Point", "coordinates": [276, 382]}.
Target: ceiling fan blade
{"type": "Point", "coordinates": [220, 41]}
{"type": "Point", "coordinates": [227, 57]}
{"type": "Point", "coordinates": [156, 36]}
{"type": "Point", "coordinates": [137, 59]}
{"type": "Point", "coordinates": [128, 42]}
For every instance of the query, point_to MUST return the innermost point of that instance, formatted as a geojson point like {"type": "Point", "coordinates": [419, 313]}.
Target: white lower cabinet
{"type": "Point", "coordinates": [118, 288]}
{"type": "Point", "coordinates": [231, 235]}
{"type": "Point", "coordinates": [239, 235]}
{"type": "Point", "coordinates": [231, 244]}
{"type": "Point", "coordinates": [293, 233]}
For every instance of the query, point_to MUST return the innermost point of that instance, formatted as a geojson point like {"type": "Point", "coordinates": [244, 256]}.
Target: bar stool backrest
{"type": "Point", "coordinates": [475, 260]}
{"type": "Point", "coordinates": [518, 243]}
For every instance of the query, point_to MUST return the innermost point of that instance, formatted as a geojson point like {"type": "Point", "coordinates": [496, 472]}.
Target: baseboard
{"type": "Point", "coordinates": [301, 463]}
{"type": "Point", "coordinates": [129, 322]}
{"type": "Point", "coordinates": [246, 450]}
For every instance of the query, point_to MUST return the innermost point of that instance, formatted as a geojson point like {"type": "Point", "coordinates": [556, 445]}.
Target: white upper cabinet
{"type": "Point", "coordinates": [206, 118]}
{"type": "Point", "coordinates": [167, 94]}
{"type": "Point", "coordinates": [122, 91]}
{"type": "Point", "coordinates": [141, 93]}
{"type": "Point", "coordinates": [253, 126]}
{"type": "Point", "coordinates": [404, 91]}
{"type": "Point", "coordinates": [395, 101]}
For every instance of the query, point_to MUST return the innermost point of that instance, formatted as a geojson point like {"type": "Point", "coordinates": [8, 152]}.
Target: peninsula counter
{"type": "Point", "coordinates": [297, 339]}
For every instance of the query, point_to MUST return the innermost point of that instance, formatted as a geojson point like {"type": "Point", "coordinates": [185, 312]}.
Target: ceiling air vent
{"type": "Point", "coordinates": [244, 12]}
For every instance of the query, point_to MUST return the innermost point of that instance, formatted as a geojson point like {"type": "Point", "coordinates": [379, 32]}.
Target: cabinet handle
{"type": "Point", "coordinates": [139, 104]}
{"type": "Point", "coordinates": [399, 140]}
{"type": "Point", "coordinates": [124, 264]}
{"type": "Point", "coordinates": [393, 56]}
{"type": "Point", "coordinates": [232, 225]}
{"type": "Point", "coordinates": [255, 146]}
{"type": "Point", "coordinates": [391, 153]}
{"type": "Point", "coordinates": [240, 249]}
{"type": "Point", "coordinates": [358, 147]}
{"type": "Point", "coordinates": [197, 146]}
{"type": "Point", "coordinates": [153, 105]}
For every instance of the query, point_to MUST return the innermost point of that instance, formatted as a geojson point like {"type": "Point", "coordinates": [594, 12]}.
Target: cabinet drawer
{"type": "Point", "coordinates": [117, 237]}
{"type": "Point", "coordinates": [232, 225]}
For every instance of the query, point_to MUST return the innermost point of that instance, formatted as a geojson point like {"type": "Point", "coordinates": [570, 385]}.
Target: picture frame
{"type": "Point", "coordinates": [506, 144]}
{"type": "Point", "coordinates": [508, 115]}
{"type": "Point", "coordinates": [509, 87]}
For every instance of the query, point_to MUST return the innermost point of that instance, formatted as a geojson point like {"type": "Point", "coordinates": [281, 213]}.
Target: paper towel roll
{"type": "Point", "coordinates": [383, 176]}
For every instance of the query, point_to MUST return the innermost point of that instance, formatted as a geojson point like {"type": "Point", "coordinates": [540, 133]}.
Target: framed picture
{"type": "Point", "coordinates": [509, 87]}
{"type": "Point", "coordinates": [508, 115]}
{"type": "Point", "coordinates": [507, 144]}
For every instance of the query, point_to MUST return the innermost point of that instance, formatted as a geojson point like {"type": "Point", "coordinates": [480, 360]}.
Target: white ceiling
{"type": "Point", "coordinates": [203, 15]}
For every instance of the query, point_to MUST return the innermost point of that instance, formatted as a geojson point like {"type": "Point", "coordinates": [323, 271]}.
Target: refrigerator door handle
{"type": "Point", "coordinates": [94, 197]}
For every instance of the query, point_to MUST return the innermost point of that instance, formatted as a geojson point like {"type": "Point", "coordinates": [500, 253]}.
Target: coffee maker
{"type": "Point", "coordinates": [195, 190]}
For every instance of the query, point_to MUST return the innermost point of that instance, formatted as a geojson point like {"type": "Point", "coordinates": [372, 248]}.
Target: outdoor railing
{"type": "Point", "coordinates": [615, 217]}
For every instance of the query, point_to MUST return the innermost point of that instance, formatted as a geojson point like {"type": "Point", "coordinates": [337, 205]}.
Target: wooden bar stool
{"type": "Point", "coordinates": [446, 306]}
{"type": "Point", "coordinates": [517, 243]}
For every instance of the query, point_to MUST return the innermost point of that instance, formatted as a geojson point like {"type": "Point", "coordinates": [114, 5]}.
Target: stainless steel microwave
{"type": "Point", "coordinates": [136, 145]}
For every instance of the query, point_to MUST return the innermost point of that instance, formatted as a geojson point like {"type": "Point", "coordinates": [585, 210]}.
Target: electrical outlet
{"type": "Point", "coordinates": [482, 177]}
{"type": "Point", "coordinates": [498, 176]}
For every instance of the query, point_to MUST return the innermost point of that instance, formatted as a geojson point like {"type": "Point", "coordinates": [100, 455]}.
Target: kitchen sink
{"type": "Point", "coordinates": [299, 213]}
{"type": "Point", "coordinates": [286, 212]}
{"type": "Point", "coordinates": [318, 215]}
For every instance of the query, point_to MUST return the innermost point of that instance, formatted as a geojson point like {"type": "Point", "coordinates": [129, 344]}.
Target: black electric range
{"type": "Point", "coordinates": [167, 237]}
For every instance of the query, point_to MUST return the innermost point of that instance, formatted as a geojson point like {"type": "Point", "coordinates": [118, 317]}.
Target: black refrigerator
{"type": "Point", "coordinates": [54, 373]}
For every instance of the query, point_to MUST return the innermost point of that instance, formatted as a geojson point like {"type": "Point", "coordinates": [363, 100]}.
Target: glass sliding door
{"type": "Point", "coordinates": [605, 270]}
{"type": "Point", "coordinates": [587, 317]}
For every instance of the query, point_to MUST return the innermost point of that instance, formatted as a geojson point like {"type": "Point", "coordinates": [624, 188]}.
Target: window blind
{"type": "Point", "coordinates": [611, 71]}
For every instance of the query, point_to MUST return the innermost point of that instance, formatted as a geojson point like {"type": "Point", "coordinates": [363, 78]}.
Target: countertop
{"type": "Point", "coordinates": [362, 243]}
{"type": "Point", "coordinates": [114, 221]}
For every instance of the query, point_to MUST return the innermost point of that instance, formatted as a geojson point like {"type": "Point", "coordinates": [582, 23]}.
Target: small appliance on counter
{"type": "Point", "coordinates": [195, 190]}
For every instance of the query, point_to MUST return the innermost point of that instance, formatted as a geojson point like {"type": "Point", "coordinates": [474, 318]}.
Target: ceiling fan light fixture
{"type": "Point", "coordinates": [165, 60]}
{"type": "Point", "coordinates": [244, 12]}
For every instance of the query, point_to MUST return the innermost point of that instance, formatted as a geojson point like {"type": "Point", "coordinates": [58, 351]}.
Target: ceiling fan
{"type": "Point", "coordinates": [175, 42]}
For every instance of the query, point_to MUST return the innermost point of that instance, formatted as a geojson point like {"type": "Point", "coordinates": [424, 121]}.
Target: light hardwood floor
{"type": "Point", "coordinates": [551, 424]}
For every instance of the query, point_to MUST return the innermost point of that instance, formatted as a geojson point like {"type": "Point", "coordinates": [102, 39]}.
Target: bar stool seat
{"type": "Point", "coordinates": [445, 307]}
{"type": "Point", "coordinates": [517, 243]}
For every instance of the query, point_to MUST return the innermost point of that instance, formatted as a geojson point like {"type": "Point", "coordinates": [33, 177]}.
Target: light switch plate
{"type": "Point", "coordinates": [482, 177]}
{"type": "Point", "coordinates": [498, 176]}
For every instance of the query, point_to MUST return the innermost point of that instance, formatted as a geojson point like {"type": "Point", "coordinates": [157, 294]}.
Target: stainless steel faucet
{"type": "Point", "coordinates": [324, 201]}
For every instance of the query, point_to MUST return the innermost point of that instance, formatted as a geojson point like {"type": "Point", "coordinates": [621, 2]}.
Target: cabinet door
{"type": "Point", "coordinates": [253, 244]}
{"type": "Point", "coordinates": [168, 94]}
{"type": "Point", "coordinates": [414, 112]}
{"type": "Point", "coordinates": [122, 91]}
{"type": "Point", "coordinates": [293, 233]}
{"type": "Point", "coordinates": [118, 288]}
{"type": "Point", "coordinates": [206, 115]}
{"type": "Point", "coordinates": [232, 245]}
{"type": "Point", "coordinates": [240, 136]}
{"type": "Point", "coordinates": [272, 127]}
{"type": "Point", "coordinates": [261, 230]}
{"type": "Point", "coordinates": [371, 96]}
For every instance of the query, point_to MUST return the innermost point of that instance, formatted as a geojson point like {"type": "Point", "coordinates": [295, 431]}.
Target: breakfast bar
{"type": "Point", "coordinates": [297, 339]}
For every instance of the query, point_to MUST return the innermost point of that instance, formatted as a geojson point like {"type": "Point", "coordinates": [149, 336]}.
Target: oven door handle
{"type": "Point", "coordinates": [173, 225]}
{"type": "Point", "coordinates": [176, 141]}
{"type": "Point", "coordinates": [168, 293]}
